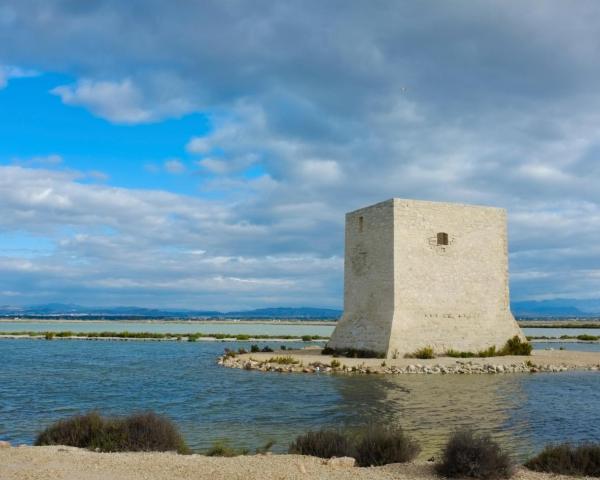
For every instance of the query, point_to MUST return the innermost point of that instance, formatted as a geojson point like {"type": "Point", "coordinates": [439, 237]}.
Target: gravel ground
{"type": "Point", "coordinates": [68, 463]}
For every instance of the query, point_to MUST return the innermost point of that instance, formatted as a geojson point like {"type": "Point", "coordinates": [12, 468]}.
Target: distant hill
{"type": "Point", "coordinates": [556, 308]}
{"type": "Point", "coordinates": [523, 309]}
{"type": "Point", "coordinates": [71, 310]}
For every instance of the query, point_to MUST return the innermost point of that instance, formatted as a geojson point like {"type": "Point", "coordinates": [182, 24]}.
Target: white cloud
{"type": "Point", "coordinates": [174, 166]}
{"type": "Point", "coordinates": [119, 245]}
{"type": "Point", "coordinates": [119, 102]}
{"type": "Point", "coordinates": [309, 121]}
{"type": "Point", "coordinates": [8, 71]}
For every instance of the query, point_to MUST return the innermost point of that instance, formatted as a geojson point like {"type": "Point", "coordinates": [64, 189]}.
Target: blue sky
{"type": "Point", "coordinates": [203, 156]}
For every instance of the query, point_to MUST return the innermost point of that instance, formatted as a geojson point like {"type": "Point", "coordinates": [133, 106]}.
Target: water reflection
{"type": "Point", "coordinates": [432, 407]}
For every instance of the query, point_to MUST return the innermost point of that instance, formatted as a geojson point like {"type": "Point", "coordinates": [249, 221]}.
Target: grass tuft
{"type": "Point", "coordinates": [222, 448]}
{"type": "Point", "coordinates": [287, 360]}
{"type": "Point", "coordinates": [423, 353]}
{"type": "Point", "coordinates": [138, 432]}
{"type": "Point", "coordinates": [323, 444]}
{"type": "Point", "coordinates": [567, 459]}
{"type": "Point", "coordinates": [476, 456]}
{"type": "Point", "coordinates": [380, 445]}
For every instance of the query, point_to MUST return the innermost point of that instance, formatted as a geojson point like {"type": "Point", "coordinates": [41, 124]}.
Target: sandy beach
{"type": "Point", "coordinates": [68, 463]}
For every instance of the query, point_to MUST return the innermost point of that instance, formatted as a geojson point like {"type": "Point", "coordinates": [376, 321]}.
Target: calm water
{"type": "Point", "coordinates": [272, 328]}
{"type": "Point", "coordinates": [43, 381]}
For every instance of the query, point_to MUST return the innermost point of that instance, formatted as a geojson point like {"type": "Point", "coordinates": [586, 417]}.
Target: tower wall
{"type": "Point", "coordinates": [403, 290]}
{"type": "Point", "coordinates": [368, 280]}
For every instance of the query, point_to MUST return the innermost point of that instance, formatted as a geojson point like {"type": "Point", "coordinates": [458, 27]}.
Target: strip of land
{"type": "Point", "coordinates": [310, 360]}
{"type": "Point", "coordinates": [190, 337]}
{"type": "Point", "coordinates": [68, 463]}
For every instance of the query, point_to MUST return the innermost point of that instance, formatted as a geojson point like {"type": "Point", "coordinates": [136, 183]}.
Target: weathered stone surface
{"type": "Point", "coordinates": [404, 291]}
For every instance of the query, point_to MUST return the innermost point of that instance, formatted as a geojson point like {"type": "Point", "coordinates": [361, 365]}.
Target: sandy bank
{"type": "Point", "coordinates": [310, 360]}
{"type": "Point", "coordinates": [67, 463]}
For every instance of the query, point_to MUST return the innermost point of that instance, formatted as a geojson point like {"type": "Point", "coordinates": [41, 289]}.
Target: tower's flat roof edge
{"type": "Point", "coordinates": [395, 200]}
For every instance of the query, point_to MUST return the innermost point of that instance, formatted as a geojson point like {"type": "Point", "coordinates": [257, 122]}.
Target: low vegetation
{"type": "Point", "coordinates": [138, 432]}
{"type": "Point", "coordinates": [515, 346]}
{"type": "Point", "coordinates": [222, 448]}
{"type": "Point", "coordinates": [351, 353]}
{"type": "Point", "coordinates": [567, 459]}
{"type": "Point", "coordinates": [476, 456]}
{"type": "Point", "coordinates": [284, 360]}
{"type": "Point", "coordinates": [191, 337]}
{"type": "Point", "coordinates": [423, 353]}
{"type": "Point", "coordinates": [380, 445]}
{"type": "Point", "coordinates": [374, 445]}
{"type": "Point", "coordinates": [322, 443]}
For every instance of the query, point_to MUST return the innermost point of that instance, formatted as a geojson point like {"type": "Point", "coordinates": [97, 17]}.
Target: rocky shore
{"type": "Point", "coordinates": [69, 463]}
{"type": "Point", "coordinates": [311, 361]}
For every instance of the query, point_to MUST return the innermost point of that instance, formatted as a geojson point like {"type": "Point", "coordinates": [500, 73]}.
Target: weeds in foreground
{"type": "Point", "coordinates": [567, 459]}
{"type": "Point", "coordinates": [323, 443]}
{"type": "Point", "coordinates": [222, 448]}
{"type": "Point", "coordinates": [380, 445]}
{"type": "Point", "coordinates": [476, 456]}
{"type": "Point", "coordinates": [138, 432]}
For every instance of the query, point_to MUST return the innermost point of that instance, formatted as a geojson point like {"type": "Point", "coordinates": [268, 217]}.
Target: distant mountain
{"type": "Point", "coordinates": [60, 309]}
{"type": "Point", "coordinates": [288, 312]}
{"type": "Point", "coordinates": [556, 308]}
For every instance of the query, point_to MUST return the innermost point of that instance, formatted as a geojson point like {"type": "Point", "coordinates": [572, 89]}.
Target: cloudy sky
{"type": "Point", "coordinates": [202, 154]}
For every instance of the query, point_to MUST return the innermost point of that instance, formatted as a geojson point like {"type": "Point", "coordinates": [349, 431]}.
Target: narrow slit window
{"type": "Point", "coordinates": [442, 238]}
{"type": "Point", "coordinates": [361, 221]}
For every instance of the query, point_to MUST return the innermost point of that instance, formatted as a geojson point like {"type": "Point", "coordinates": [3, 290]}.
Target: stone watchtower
{"type": "Point", "coordinates": [425, 274]}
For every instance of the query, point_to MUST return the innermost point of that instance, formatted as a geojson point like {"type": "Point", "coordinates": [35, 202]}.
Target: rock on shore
{"type": "Point", "coordinates": [310, 361]}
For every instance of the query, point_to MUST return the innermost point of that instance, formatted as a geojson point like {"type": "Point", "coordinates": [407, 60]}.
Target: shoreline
{"type": "Point", "coordinates": [167, 338]}
{"type": "Point", "coordinates": [311, 361]}
{"type": "Point", "coordinates": [70, 463]}
{"type": "Point", "coordinates": [592, 323]}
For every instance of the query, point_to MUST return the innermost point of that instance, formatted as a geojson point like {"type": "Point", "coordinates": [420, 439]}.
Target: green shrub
{"type": "Point", "coordinates": [230, 353]}
{"type": "Point", "coordinates": [335, 364]}
{"type": "Point", "coordinates": [380, 445]}
{"type": "Point", "coordinates": [351, 353]}
{"type": "Point", "coordinates": [423, 353]}
{"type": "Point", "coordinates": [49, 335]}
{"type": "Point", "coordinates": [458, 354]}
{"type": "Point", "coordinates": [221, 448]}
{"type": "Point", "coordinates": [267, 349]}
{"type": "Point", "coordinates": [566, 459]}
{"type": "Point", "coordinates": [283, 347]}
{"type": "Point", "coordinates": [306, 338]}
{"type": "Point", "coordinates": [242, 337]}
{"type": "Point", "coordinates": [489, 352]}
{"type": "Point", "coordinates": [587, 338]}
{"type": "Point", "coordinates": [514, 346]}
{"type": "Point", "coordinates": [475, 456]}
{"type": "Point", "coordinates": [254, 349]}
{"type": "Point", "coordinates": [323, 444]}
{"type": "Point", "coordinates": [287, 360]}
{"type": "Point", "coordinates": [139, 432]}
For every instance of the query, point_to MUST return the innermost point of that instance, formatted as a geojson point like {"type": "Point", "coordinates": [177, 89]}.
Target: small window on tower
{"type": "Point", "coordinates": [360, 224]}
{"type": "Point", "coordinates": [442, 238]}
